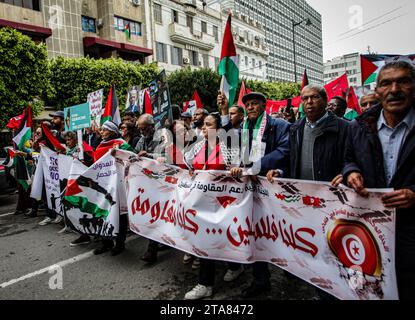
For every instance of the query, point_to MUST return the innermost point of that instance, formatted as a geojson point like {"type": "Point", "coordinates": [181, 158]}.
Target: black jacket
{"type": "Point", "coordinates": [364, 154]}
{"type": "Point", "coordinates": [328, 157]}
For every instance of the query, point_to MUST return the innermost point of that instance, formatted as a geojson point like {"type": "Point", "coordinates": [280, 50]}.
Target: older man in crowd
{"type": "Point", "coordinates": [265, 146]}
{"type": "Point", "coordinates": [380, 153]}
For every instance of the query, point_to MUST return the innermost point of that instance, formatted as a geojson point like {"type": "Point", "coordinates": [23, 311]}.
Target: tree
{"type": "Point", "coordinates": [73, 78]}
{"type": "Point", "coordinates": [182, 84]}
{"type": "Point", "coordinates": [24, 74]}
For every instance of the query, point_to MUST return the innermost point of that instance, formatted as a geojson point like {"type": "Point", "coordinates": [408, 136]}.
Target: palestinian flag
{"type": "Point", "coordinates": [51, 141]}
{"type": "Point", "coordinates": [228, 65]}
{"type": "Point", "coordinates": [127, 30]}
{"type": "Point", "coordinates": [304, 83]}
{"type": "Point", "coordinates": [14, 123]}
{"type": "Point", "coordinates": [87, 195]}
{"type": "Point", "coordinates": [111, 111]}
{"type": "Point", "coordinates": [10, 155]}
{"type": "Point", "coordinates": [372, 63]}
{"type": "Point", "coordinates": [244, 91]}
{"type": "Point", "coordinates": [148, 107]}
{"type": "Point", "coordinates": [199, 104]}
{"type": "Point", "coordinates": [105, 146]}
{"type": "Point", "coordinates": [22, 174]}
{"type": "Point", "coordinates": [353, 107]}
{"type": "Point", "coordinates": [25, 129]}
{"type": "Point", "coordinates": [337, 87]}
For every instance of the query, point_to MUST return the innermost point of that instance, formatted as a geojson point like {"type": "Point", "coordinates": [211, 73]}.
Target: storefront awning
{"type": "Point", "coordinates": [113, 45]}
{"type": "Point", "coordinates": [28, 29]}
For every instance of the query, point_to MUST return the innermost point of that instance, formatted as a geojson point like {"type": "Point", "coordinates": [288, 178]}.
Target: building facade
{"type": "Point", "coordinates": [184, 34]}
{"type": "Point", "coordinates": [349, 63]}
{"type": "Point", "coordinates": [280, 18]}
{"type": "Point", "coordinates": [77, 28]}
{"type": "Point", "coordinates": [189, 34]}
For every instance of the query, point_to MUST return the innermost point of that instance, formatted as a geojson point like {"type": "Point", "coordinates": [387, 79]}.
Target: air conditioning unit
{"type": "Point", "coordinates": [100, 23]}
{"type": "Point", "coordinates": [186, 61]}
{"type": "Point", "coordinates": [136, 2]}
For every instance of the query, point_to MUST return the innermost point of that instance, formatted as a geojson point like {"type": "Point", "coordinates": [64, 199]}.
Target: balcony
{"type": "Point", "coordinates": [251, 46]}
{"type": "Point", "coordinates": [182, 34]}
{"type": "Point", "coordinates": [190, 7]}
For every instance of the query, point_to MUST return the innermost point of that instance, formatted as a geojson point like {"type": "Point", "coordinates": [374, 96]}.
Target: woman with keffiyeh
{"type": "Point", "coordinates": [211, 153]}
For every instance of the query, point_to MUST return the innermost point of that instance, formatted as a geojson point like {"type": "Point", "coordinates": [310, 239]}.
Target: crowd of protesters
{"type": "Point", "coordinates": [376, 150]}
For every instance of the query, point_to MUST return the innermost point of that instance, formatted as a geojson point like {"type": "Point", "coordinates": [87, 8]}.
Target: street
{"type": "Point", "coordinates": [29, 254]}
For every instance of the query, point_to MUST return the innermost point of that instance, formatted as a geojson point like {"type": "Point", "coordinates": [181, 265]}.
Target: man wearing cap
{"type": "Point", "coordinates": [58, 124]}
{"type": "Point", "coordinates": [265, 146]}
{"type": "Point", "coordinates": [187, 118]}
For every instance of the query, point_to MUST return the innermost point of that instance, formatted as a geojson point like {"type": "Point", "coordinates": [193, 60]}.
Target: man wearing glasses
{"type": "Point", "coordinates": [317, 142]}
{"type": "Point", "coordinates": [380, 153]}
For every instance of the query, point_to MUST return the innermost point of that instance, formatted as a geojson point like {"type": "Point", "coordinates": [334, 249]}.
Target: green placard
{"type": "Point", "coordinates": [77, 117]}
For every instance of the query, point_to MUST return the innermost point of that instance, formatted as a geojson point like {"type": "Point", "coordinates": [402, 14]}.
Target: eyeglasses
{"type": "Point", "coordinates": [315, 97]}
{"type": "Point", "coordinates": [332, 105]}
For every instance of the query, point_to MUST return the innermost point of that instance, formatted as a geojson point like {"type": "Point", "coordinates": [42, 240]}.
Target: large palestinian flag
{"type": "Point", "coordinates": [25, 129]}
{"type": "Point", "coordinates": [91, 200]}
{"type": "Point", "coordinates": [228, 65]}
{"type": "Point", "coordinates": [372, 63]}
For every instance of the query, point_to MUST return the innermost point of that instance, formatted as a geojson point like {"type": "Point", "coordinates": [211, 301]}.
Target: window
{"type": "Point", "coordinates": [161, 50]}
{"type": "Point", "coordinates": [246, 61]}
{"type": "Point", "coordinates": [120, 23]}
{"type": "Point", "coordinates": [194, 58]}
{"type": "Point", "coordinates": [176, 56]}
{"type": "Point", "coordinates": [205, 61]}
{"type": "Point", "coordinates": [216, 33]}
{"type": "Point", "coordinates": [157, 13]}
{"type": "Point", "coordinates": [204, 27]}
{"type": "Point", "coordinates": [189, 22]}
{"type": "Point", "coordinates": [175, 16]}
{"type": "Point", "coordinates": [88, 24]}
{"type": "Point", "coordinates": [29, 4]}
{"type": "Point", "coordinates": [216, 63]}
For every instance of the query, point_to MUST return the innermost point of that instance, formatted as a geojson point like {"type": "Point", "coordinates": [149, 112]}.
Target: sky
{"type": "Point", "coordinates": [386, 26]}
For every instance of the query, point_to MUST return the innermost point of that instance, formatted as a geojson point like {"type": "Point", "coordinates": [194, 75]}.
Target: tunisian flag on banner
{"type": "Point", "coordinates": [338, 87]}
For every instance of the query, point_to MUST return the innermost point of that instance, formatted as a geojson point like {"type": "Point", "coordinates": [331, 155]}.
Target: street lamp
{"type": "Point", "coordinates": [296, 24]}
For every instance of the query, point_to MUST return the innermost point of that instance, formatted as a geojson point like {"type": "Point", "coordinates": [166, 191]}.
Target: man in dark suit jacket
{"type": "Point", "coordinates": [380, 153]}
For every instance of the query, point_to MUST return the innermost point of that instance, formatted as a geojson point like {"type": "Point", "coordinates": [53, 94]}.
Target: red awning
{"type": "Point", "coordinates": [27, 28]}
{"type": "Point", "coordinates": [123, 47]}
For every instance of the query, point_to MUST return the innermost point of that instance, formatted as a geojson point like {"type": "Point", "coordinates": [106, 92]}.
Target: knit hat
{"type": "Point", "coordinates": [111, 126]}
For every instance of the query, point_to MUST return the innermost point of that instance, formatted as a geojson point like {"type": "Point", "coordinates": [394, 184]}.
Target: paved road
{"type": "Point", "coordinates": [27, 250]}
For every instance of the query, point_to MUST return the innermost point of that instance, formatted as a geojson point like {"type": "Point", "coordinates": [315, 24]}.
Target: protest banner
{"type": "Point", "coordinates": [160, 100]}
{"type": "Point", "coordinates": [50, 168]}
{"type": "Point", "coordinates": [329, 237]}
{"type": "Point", "coordinates": [95, 106]}
{"type": "Point", "coordinates": [91, 198]}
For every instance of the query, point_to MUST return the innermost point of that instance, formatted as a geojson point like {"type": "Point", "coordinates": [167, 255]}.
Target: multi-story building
{"type": "Point", "coordinates": [184, 34]}
{"type": "Point", "coordinates": [249, 38]}
{"type": "Point", "coordinates": [284, 33]}
{"type": "Point", "coordinates": [189, 33]}
{"type": "Point", "coordinates": [349, 63]}
{"type": "Point", "coordinates": [75, 28]}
